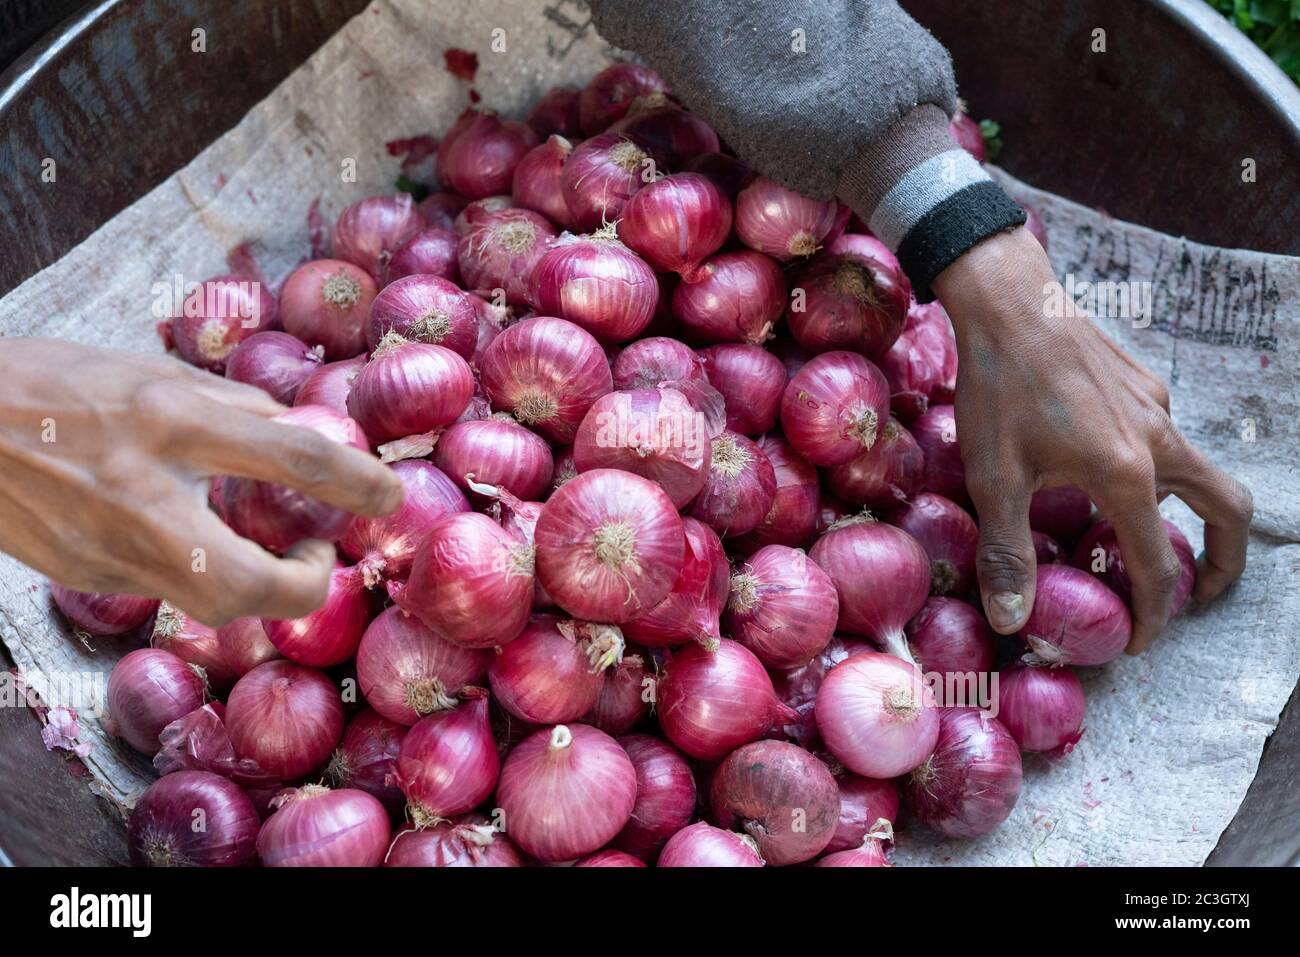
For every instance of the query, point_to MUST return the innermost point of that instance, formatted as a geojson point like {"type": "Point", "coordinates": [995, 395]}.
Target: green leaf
{"type": "Point", "coordinates": [991, 130]}
{"type": "Point", "coordinates": [407, 185]}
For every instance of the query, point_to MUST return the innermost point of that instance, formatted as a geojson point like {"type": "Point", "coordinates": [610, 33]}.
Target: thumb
{"type": "Point", "coordinates": [1005, 560]}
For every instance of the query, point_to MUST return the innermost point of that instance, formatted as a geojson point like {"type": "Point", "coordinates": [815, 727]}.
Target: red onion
{"type": "Point", "coordinates": [650, 363]}
{"type": "Point", "coordinates": [849, 302]}
{"type": "Point", "coordinates": [430, 252]}
{"type": "Point", "coordinates": [739, 489]}
{"type": "Point", "coordinates": [781, 796]}
{"type": "Point", "coordinates": [1042, 708]}
{"type": "Point", "coordinates": [480, 207]}
{"type": "Point", "coordinates": [441, 209]}
{"type": "Point", "coordinates": [566, 470]}
{"type": "Point", "coordinates": [792, 519]}
{"type": "Point", "coordinates": [1035, 225]}
{"type": "Point", "coordinates": [425, 309]}
{"type": "Point", "coordinates": [921, 365]}
{"type": "Point", "coordinates": [366, 758]}
{"type": "Point", "coordinates": [491, 320]}
{"type": "Point", "coordinates": [751, 381]}
{"type": "Point", "coordinates": [1062, 511]}
{"type": "Point", "coordinates": [193, 643]}
{"type": "Point", "coordinates": [286, 717]}
{"type": "Point", "coordinates": [410, 388]}
{"type": "Point", "coordinates": [625, 697]}
{"type": "Point", "coordinates": [102, 614]}
{"type": "Point", "coordinates": [477, 157]}
{"type": "Point", "coordinates": [887, 474]}
{"type": "Point", "coordinates": [798, 688]}
{"type": "Point", "coordinates": [499, 251]}
{"type": "Point", "coordinates": [936, 433]}
{"type": "Point", "coordinates": [703, 845]}
{"type": "Point", "coordinates": [598, 283]}
{"type": "Point", "coordinates": [690, 611]}
{"type": "Point", "coordinates": [331, 633]}
{"type": "Point", "coordinates": [792, 357]}
{"type": "Point", "coordinates": [725, 172]}
{"type": "Point", "coordinates": [968, 136]}
{"type": "Point", "coordinates": [670, 133]}
{"type": "Point", "coordinates": [538, 178]}
{"type": "Point", "coordinates": [163, 829]}
{"type": "Point", "coordinates": [148, 689]}
{"type": "Point", "coordinates": [325, 302]}
{"type": "Point", "coordinates": [950, 637]}
{"type": "Point", "coordinates": [546, 372]}
{"type": "Point", "coordinates": [870, 853]}
{"type": "Point", "coordinates": [1046, 549]}
{"type": "Point", "coordinates": [609, 94]}
{"type": "Point", "coordinates": [314, 826]}
{"type": "Point", "coordinates": [216, 316]}
{"type": "Point", "coordinates": [835, 407]}
{"type": "Point", "coordinates": [714, 698]}
{"type": "Point", "coordinates": [556, 112]}
{"type": "Point", "coordinates": [245, 646]}
{"type": "Point", "coordinates": [609, 544]}
{"type": "Point", "coordinates": [969, 785]}
{"type": "Point", "coordinates": [448, 763]}
{"type": "Point", "coordinates": [384, 548]}
{"type": "Point", "coordinates": [465, 841]}
{"type": "Point", "coordinates": [949, 536]}
{"type": "Point", "coordinates": [369, 231]}
{"type": "Point", "coordinates": [610, 858]}
{"type": "Point", "coordinates": [829, 511]}
{"type": "Point", "coordinates": [675, 222]}
{"type": "Point", "coordinates": [780, 222]}
{"type": "Point", "coordinates": [1098, 553]}
{"type": "Point", "coordinates": [862, 245]}
{"type": "Point", "coordinates": [601, 175]}
{"type": "Point", "coordinates": [864, 804]}
{"type": "Point", "coordinates": [566, 791]}
{"type": "Point", "coordinates": [496, 451]}
{"type": "Point", "coordinates": [275, 362]}
{"type": "Point", "coordinates": [330, 384]}
{"type": "Point", "coordinates": [877, 715]}
{"type": "Point", "coordinates": [782, 607]}
{"type": "Point", "coordinates": [665, 795]}
{"type": "Point", "coordinates": [472, 582]}
{"type": "Point", "coordinates": [735, 297]}
{"type": "Point", "coordinates": [554, 670]}
{"type": "Point", "coordinates": [1076, 620]}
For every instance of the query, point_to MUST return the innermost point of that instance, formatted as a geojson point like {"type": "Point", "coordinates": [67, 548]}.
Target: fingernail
{"type": "Point", "coordinates": [1006, 609]}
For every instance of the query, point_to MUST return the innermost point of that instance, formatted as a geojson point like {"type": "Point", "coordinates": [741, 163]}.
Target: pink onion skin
{"type": "Point", "coordinates": [448, 763]}
{"type": "Point", "coordinates": [675, 222]}
{"type": "Point", "coordinates": [330, 634]}
{"type": "Point", "coordinates": [797, 689]}
{"type": "Point", "coordinates": [1062, 511]}
{"type": "Point", "coordinates": [713, 699]}
{"type": "Point", "coordinates": [320, 827]}
{"type": "Point", "coordinates": [623, 702]}
{"type": "Point", "coordinates": [968, 136]}
{"type": "Point", "coordinates": [735, 297]}
{"type": "Point", "coordinates": [367, 757]}
{"type": "Point", "coordinates": [949, 536]}
{"type": "Point", "coordinates": [245, 645]}
{"type": "Point", "coordinates": [601, 175]}
{"type": "Point", "coordinates": [598, 283]}
{"type": "Point", "coordinates": [936, 433]}
{"type": "Point", "coordinates": [751, 380]}
{"type": "Point", "coordinates": [1034, 224]}
{"type": "Point", "coordinates": [650, 363]}
{"type": "Point", "coordinates": [669, 132]}
{"type": "Point", "coordinates": [703, 845]}
{"type": "Point", "coordinates": [275, 362]}
{"type": "Point", "coordinates": [921, 365]}
{"type": "Point", "coordinates": [427, 309]}
{"type": "Point", "coordinates": [217, 315]}
{"type": "Point", "coordinates": [768, 788]}
{"type": "Point", "coordinates": [725, 172]}
{"type": "Point", "coordinates": [610, 858]}
{"type": "Point", "coordinates": [546, 372]}
{"type": "Point", "coordinates": [871, 853]}
{"type": "Point", "coordinates": [477, 157]}
{"type": "Point", "coordinates": [499, 251]}
{"type": "Point", "coordinates": [792, 519]}
{"type": "Point", "coordinates": [161, 831]}
{"type": "Point", "coordinates": [835, 408]}
{"type": "Point", "coordinates": [465, 841]}
{"type": "Point", "coordinates": [384, 548]}
{"type": "Point", "coordinates": [1102, 537]}
{"type": "Point", "coordinates": [472, 582]}
{"type": "Point", "coordinates": [547, 788]}
{"type": "Point", "coordinates": [783, 607]}
{"type": "Point", "coordinates": [690, 612]}
{"type": "Point", "coordinates": [860, 244]}
{"type": "Point", "coordinates": [609, 94]}
{"type": "Point", "coordinates": [441, 209]}
{"type": "Point", "coordinates": [653, 433]}
{"type": "Point", "coordinates": [325, 303]}
{"type": "Point", "coordinates": [538, 178]}
{"type": "Point", "coordinates": [665, 795]}
{"type": "Point", "coordinates": [877, 715]}
{"type": "Point", "coordinates": [102, 614]}
{"type": "Point", "coordinates": [480, 207]}
{"type": "Point", "coordinates": [863, 802]}
{"type": "Point", "coordinates": [409, 388]}
{"type": "Point", "coordinates": [407, 671]}
{"type": "Point", "coordinates": [148, 689]}
{"type": "Point", "coordinates": [194, 643]}
{"type": "Point", "coordinates": [497, 451]}
{"type": "Point", "coordinates": [556, 113]}
{"type": "Point", "coordinates": [950, 636]}
{"type": "Point", "coordinates": [545, 676]}
{"type": "Point", "coordinates": [286, 717]}
{"type": "Point", "coordinates": [609, 544]}
{"type": "Point", "coordinates": [850, 302]}
{"type": "Point", "coordinates": [430, 252]}
{"type": "Point", "coordinates": [739, 489]}
{"type": "Point", "coordinates": [971, 782]}
{"type": "Point", "coordinates": [369, 231]}
{"type": "Point", "coordinates": [781, 223]}
{"type": "Point", "coordinates": [889, 473]}
{"type": "Point", "coordinates": [1042, 708]}
{"type": "Point", "coordinates": [1076, 620]}
{"type": "Point", "coordinates": [330, 384]}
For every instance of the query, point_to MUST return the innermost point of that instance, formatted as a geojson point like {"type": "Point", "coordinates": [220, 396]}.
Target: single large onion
{"type": "Point", "coordinates": [675, 222]}
{"type": "Point", "coordinates": [864, 803]}
{"type": "Point", "coordinates": [162, 831]}
{"type": "Point", "coordinates": [370, 231]}
{"type": "Point", "coordinates": [216, 316]}
{"type": "Point", "coordinates": [665, 795]}
{"type": "Point", "coordinates": [1042, 708]}
{"type": "Point", "coordinates": [691, 610]}
{"type": "Point", "coordinates": [325, 303]}
{"type": "Point", "coordinates": [469, 840]}
{"type": "Point", "coordinates": [783, 607]}
{"type": "Point", "coordinates": [671, 133]}
{"type": "Point", "coordinates": [1061, 511]}
{"type": "Point", "coordinates": [499, 251]}
{"type": "Point", "coordinates": [448, 763]}
{"type": "Point", "coordinates": [921, 365]}
{"type": "Point", "coordinates": [148, 689]}
{"type": "Point", "coordinates": [102, 614]}
{"type": "Point", "coordinates": [734, 297]}
{"type": "Point", "coordinates": [538, 178]}
{"type": "Point", "coordinates": [366, 758]}
{"type": "Point", "coordinates": [430, 252]}
{"type": "Point", "coordinates": [703, 845]}
{"type": "Point", "coordinates": [949, 536]}
{"type": "Point", "coordinates": [625, 696]}
{"type": "Point", "coordinates": [609, 94]}
{"type": "Point", "coordinates": [496, 451]}
{"type": "Point", "coordinates": [195, 643]}
{"type": "Point", "coordinates": [554, 670]}
{"type": "Point", "coordinates": [275, 362]}
{"type": "Point", "coordinates": [1076, 620]}
{"type": "Point", "coordinates": [1098, 553]}
{"type": "Point", "coordinates": [566, 791]}
{"type": "Point", "coordinates": [315, 826]}
{"type": "Point", "coordinates": [656, 361]}
{"type": "Point", "coordinates": [330, 384]}
{"type": "Point", "coordinates": [286, 717]}
{"type": "Point", "coordinates": [601, 175]}
{"type": "Point", "coordinates": [849, 302]}
{"type": "Point", "coordinates": [556, 112]}
{"type": "Point", "coordinates": [598, 283]}
{"type": "Point", "coordinates": [792, 519]}
{"type": "Point", "coordinates": [480, 207]}
{"type": "Point", "coordinates": [425, 309]}
{"type": "Point", "coordinates": [330, 634]}
{"type": "Point", "coordinates": [936, 433]}
{"type": "Point", "coordinates": [751, 381]}
{"type": "Point", "coordinates": [798, 688]}
{"type": "Point", "coordinates": [780, 222]}
{"type": "Point", "coordinates": [950, 637]}
{"type": "Point", "coordinates": [245, 646]}
{"type": "Point", "coordinates": [888, 473]}
{"type": "Point", "coordinates": [477, 157]}
{"type": "Point", "coordinates": [739, 489]}
{"type": "Point", "coordinates": [969, 785]}
{"type": "Point", "coordinates": [834, 408]}
{"type": "Point", "coordinates": [410, 388]}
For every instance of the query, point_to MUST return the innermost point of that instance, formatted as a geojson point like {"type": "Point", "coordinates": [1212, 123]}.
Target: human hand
{"type": "Point", "coordinates": [105, 460]}
{"type": "Point", "coordinates": [1046, 400]}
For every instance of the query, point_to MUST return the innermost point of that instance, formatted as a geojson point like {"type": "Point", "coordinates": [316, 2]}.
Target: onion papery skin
{"type": "Point", "coordinates": [441, 209]}
{"type": "Point", "coordinates": [601, 175]}
{"type": "Point", "coordinates": [566, 791]}
{"type": "Point", "coordinates": [219, 314]}
{"type": "Point", "coordinates": [739, 489]}
{"type": "Point", "coordinates": [665, 795]}
{"type": "Point", "coordinates": [286, 717]}
{"type": "Point", "coordinates": [609, 544]}
{"type": "Point", "coordinates": [712, 699]}
{"type": "Point", "coordinates": [366, 758]}
{"type": "Point", "coordinates": [850, 302]}
{"type": "Point", "coordinates": [244, 645]}
{"type": "Point", "coordinates": [276, 516]}
{"type": "Point", "coordinates": [537, 181]}
{"type": "Point", "coordinates": [882, 575]}
{"type": "Point", "coordinates": [477, 157]}
{"type": "Point", "coordinates": [936, 433]}
{"type": "Point", "coordinates": [499, 251]}
{"type": "Point", "coordinates": [783, 607]}
{"type": "Point", "coordinates": [472, 582]}
{"type": "Point", "coordinates": [496, 451]}
{"type": "Point", "coordinates": [1062, 511]}
{"type": "Point", "coordinates": [863, 802]}
{"type": "Point", "coordinates": [888, 474]}
{"type": "Point", "coordinates": [148, 689]}
{"type": "Point", "coordinates": [797, 689]}
{"type": "Point", "coordinates": [1076, 620]}
{"type": "Point", "coordinates": [1099, 548]}
{"type": "Point", "coordinates": [751, 381]}
{"type": "Point", "coordinates": [161, 831]}
{"type": "Point", "coordinates": [369, 231]}
{"type": "Point", "coordinates": [330, 634]}
{"type": "Point", "coordinates": [448, 763]}
{"type": "Point", "coordinates": [546, 372]}
{"type": "Point", "coordinates": [734, 297]}
{"type": "Point", "coordinates": [792, 519]}
{"type": "Point", "coordinates": [1042, 708]}
{"type": "Point", "coordinates": [781, 223]}
{"type": "Point", "coordinates": [968, 136]}
{"type": "Point", "coordinates": [623, 702]}
{"type": "Point", "coordinates": [671, 133]}
{"type": "Point", "coordinates": [675, 222]}
{"type": "Point", "coordinates": [430, 252]}
{"type": "Point", "coordinates": [320, 827]}
{"type": "Point", "coordinates": [409, 388]}
{"type": "Point", "coordinates": [610, 858]}
{"type": "Point", "coordinates": [194, 643]}
{"type": "Point", "coordinates": [654, 433]}
{"type": "Point", "coordinates": [103, 614]}
{"type": "Point", "coordinates": [384, 548]}
{"type": "Point", "coordinates": [275, 362]}
{"type": "Point", "coordinates": [970, 783]}
{"type": "Point", "coordinates": [426, 309]}
{"type": "Point", "coordinates": [703, 845]}
{"type": "Point", "coordinates": [835, 408]}
{"type": "Point", "coordinates": [690, 612]}
{"type": "Point", "coordinates": [330, 384]}
{"type": "Point", "coordinates": [466, 841]}
{"type": "Point", "coordinates": [949, 536]}
{"type": "Point", "coordinates": [325, 303]}
{"type": "Point", "coordinates": [609, 94]}
{"type": "Point", "coordinates": [921, 365]}
{"type": "Point", "coordinates": [406, 671]}
{"type": "Point", "coordinates": [556, 113]}
{"type": "Point", "coordinates": [547, 674]}
{"type": "Point", "coordinates": [950, 637]}
{"type": "Point", "coordinates": [598, 283]}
